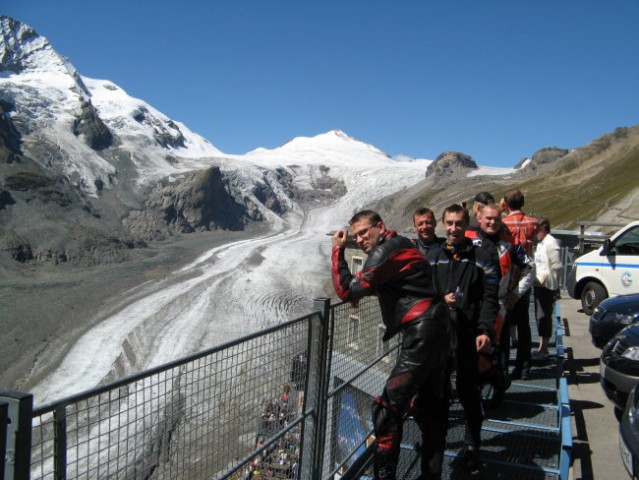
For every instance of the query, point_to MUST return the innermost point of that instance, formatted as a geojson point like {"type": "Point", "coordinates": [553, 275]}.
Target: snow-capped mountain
{"type": "Point", "coordinates": [92, 142]}
{"type": "Point", "coordinates": [89, 175]}
{"type": "Point", "coordinates": [333, 147]}
{"type": "Point", "coordinates": [86, 118]}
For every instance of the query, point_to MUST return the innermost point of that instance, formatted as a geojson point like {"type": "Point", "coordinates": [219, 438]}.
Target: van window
{"type": "Point", "coordinates": [627, 243]}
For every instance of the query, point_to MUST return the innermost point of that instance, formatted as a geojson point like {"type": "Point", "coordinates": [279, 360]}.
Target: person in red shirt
{"type": "Point", "coordinates": [524, 230]}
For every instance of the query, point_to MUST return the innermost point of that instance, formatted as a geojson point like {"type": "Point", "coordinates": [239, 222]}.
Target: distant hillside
{"type": "Point", "coordinates": [596, 182]}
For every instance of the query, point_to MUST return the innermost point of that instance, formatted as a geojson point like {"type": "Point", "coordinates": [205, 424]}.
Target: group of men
{"type": "Point", "coordinates": [453, 300]}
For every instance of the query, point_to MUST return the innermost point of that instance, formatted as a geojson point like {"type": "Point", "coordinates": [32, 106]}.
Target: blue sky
{"type": "Point", "coordinates": [496, 79]}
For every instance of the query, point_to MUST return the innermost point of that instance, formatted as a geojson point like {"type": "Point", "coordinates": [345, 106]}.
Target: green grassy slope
{"type": "Point", "coordinates": [591, 182]}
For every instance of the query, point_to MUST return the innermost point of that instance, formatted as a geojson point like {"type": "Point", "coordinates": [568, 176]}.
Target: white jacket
{"type": "Point", "coordinates": [548, 262]}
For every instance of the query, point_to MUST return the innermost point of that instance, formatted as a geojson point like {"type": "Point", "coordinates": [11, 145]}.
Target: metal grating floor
{"type": "Point", "coordinates": [520, 440]}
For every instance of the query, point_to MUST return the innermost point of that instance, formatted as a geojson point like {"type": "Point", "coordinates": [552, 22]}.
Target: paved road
{"type": "Point", "coordinates": [595, 428]}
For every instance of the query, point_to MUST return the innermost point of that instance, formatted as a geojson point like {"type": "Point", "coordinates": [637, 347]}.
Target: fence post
{"type": "Point", "coordinates": [4, 423]}
{"type": "Point", "coordinates": [60, 443]}
{"type": "Point", "coordinates": [319, 345]}
{"type": "Point", "coordinates": [17, 463]}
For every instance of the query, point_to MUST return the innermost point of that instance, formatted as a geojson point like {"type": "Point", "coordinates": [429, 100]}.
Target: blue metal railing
{"type": "Point", "coordinates": [565, 460]}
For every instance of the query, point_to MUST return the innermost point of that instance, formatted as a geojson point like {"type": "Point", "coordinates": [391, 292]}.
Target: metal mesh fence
{"type": "Point", "coordinates": [290, 402]}
{"type": "Point", "coordinates": [232, 412]}
{"type": "Point", "coordinates": [360, 362]}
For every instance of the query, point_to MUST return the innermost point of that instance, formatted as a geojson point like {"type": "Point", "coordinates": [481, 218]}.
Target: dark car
{"type": "Point", "coordinates": [620, 366]}
{"type": "Point", "coordinates": [629, 434]}
{"type": "Point", "coordinates": [611, 315]}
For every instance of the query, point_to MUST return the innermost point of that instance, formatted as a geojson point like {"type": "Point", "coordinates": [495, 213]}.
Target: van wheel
{"type": "Point", "coordinates": [591, 296]}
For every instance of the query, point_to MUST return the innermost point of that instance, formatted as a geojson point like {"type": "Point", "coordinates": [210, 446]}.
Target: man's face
{"type": "Point", "coordinates": [490, 220]}
{"type": "Point", "coordinates": [366, 234]}
{"type": "Point", "coordinates": [455, 226]}
{"type": "Point", "coordinates": [425, 227]}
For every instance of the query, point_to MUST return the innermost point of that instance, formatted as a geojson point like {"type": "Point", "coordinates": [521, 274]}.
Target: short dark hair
{"type": "Point", "coordinates": [514, 198]}
{"type": "Point", "coordinates": [424, 211]}
{"type": "Point", "coordinates": [371, 215]}
{"type": "Point", "coordinates": [484, 198]}
{"type": "Point", "coordinates": [544, 224]}
{"type": "Point", "coordinates": [456, 208]}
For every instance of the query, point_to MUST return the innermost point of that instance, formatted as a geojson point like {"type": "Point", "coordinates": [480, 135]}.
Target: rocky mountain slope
{"type": "Point", "coordinates": [88, 174]}
{"type": "Point", "coordinates": [595, 182]}
{"type": "Point", "coordinates": [101, 194]}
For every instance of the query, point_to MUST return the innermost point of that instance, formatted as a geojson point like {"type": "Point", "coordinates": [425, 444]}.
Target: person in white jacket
{"type": "Point", "coordinates": [547, 270]}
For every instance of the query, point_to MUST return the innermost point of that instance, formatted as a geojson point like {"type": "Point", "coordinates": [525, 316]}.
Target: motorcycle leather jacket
{"type": "Point", "coordinates": [472, 272]}
{"type": "Point", "coordinates": [397, 273]}
{"type": "Point", "coordinates": [516, 266]}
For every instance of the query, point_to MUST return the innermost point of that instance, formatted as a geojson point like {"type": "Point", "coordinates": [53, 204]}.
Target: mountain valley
{"type": "Point", "coordinates": [106, 202]}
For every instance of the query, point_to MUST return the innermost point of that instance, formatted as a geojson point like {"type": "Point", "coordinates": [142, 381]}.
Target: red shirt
{"type": "Point", "coordinates": [523, 229]}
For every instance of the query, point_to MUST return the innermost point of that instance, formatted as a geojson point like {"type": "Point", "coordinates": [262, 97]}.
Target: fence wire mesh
{"type": "Point", "coordinates": [290, 402]}
{"type": "Point", "coordinates": [232, 412]}
{"type": "Point", "coordinates": [360, 362]}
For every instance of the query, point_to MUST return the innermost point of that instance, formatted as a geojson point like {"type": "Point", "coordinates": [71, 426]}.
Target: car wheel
{"type": "Point", "coordinates": [592, 294]}
{"type": "Point", "coordinates": [618, 414]}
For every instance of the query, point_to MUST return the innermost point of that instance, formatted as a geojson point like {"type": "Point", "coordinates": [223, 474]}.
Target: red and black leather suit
{"type": "Point", "coordinates": [401, 278]}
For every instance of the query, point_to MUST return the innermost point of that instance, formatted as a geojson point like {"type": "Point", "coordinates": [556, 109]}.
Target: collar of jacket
{"type": "Point", "coordinates": [386, 235]}
{"type": "Point", "coordinates": [493, 238]}
{"type": "Point", "coordinates": [515, 212]}
{"type": "Point", "coordinates": [464, 247]}
{"type": "Point", "coordinates": [436, 241]}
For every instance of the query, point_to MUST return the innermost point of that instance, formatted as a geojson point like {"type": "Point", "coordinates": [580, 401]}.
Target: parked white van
{"type": "Point", "coordinates": [612, 269]}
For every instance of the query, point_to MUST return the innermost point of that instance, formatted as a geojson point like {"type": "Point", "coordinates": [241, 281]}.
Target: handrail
{"type": "Point", "coordinates": [565, 420]}
{"type": "Point", "coordinates": [50, 407]}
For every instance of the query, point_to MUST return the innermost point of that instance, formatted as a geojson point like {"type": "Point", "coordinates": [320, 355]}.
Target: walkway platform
{"type": "Point", "coordinates": [527, 437]}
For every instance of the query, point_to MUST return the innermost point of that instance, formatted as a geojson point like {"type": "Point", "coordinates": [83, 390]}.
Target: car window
{"type": "Point", "coordinates": [627, 243]}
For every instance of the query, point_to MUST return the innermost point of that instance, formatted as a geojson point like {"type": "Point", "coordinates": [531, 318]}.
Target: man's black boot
{"type": "Point", "coordinates": [384, 466]}
{"type": "Point", "coordinates": [470, 457]}
{"type": "Point", "coordinates": [432, 467]}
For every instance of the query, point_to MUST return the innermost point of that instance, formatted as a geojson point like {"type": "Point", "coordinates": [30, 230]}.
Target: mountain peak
{"type": "Point", "coordinates": [22, 49]}
{"type": "Point", "coordinates": [451, 165]}
{"type": "Point", "coordinates": [341, 135]}
{"type": "Point", "coordinates": [331, 141]}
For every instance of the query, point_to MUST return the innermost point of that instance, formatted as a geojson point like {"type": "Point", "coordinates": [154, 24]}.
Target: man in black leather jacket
{"type": "Point", "coordinates": [401, 278]}
{"type": "Point", "coordinates": [468, 279]}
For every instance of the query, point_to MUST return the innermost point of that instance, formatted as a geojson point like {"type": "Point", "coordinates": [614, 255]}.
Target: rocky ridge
{"type": "Point", "coordinates": [449, 167]}
{"type": "Point", "coordinates": [588, 183]}
{"type": "Point", "coordinates": [79, 152]}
